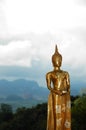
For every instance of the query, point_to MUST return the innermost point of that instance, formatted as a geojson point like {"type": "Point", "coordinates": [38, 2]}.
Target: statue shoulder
{"type": "Point", "coordinates": [65, 72]}
{"type": "Point", "coordinates": [49, 74]}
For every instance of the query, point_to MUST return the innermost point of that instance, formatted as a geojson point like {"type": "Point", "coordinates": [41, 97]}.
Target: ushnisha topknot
{"type": "Point", "coordinates": [56, 56]}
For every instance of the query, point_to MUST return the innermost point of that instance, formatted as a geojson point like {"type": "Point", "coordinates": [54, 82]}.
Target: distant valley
{"type": "Point", "coordinates": [21, 92]}
{"type": "Point", "coordinates": [22, 89]}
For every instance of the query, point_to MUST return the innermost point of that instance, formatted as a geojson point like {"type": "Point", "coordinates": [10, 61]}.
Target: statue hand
{"type": "Point", "coordinates": [61, 93]}
{"type": "Point", "coordinates": [58, 92]}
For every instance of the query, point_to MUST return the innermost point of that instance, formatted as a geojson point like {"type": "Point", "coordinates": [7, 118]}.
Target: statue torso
{"type": "Point", "coordinates": [59, 80]}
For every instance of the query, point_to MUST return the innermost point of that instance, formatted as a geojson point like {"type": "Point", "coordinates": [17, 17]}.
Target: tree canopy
{"type": "Point", "coordinates": [36, 117]}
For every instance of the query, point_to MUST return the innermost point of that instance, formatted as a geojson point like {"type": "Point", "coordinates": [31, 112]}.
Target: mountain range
{"type": "Point", "coordinates": [30, 89]}
{"type": "Point", "coordinates": [27, 92]}
{"type": "Point", "coordinates": [22, 88]}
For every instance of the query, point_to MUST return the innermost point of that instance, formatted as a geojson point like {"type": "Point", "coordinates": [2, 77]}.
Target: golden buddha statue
{"type": "Point", "coordinates": [59, 105]}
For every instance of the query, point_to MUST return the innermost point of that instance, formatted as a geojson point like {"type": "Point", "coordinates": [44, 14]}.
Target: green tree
{"type": "Point", "coordinates": [79, 113]}
{"type": "Point", "coordinates": [6, 113]}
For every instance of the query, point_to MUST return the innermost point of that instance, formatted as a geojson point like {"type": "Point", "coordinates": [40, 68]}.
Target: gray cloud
{"type": "Point", "coordinates": [29, 56]}
{"type": "Point", "coordinates": [40, 47]}
{"type": "Point", "coordinates": [34, 48]}
{"type": "Point", "coordinates": [3, 24]}
{"type": "Point", "coordinates": [80, 2]}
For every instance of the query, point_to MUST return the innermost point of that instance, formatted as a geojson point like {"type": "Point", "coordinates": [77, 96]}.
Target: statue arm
{"type": "Point", "coordinates": [68, 83]}
{"type": "Point", "coordinates": [48, 80]}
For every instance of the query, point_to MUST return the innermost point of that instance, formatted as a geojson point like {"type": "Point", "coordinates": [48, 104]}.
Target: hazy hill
{"type": "Point", "coordinates": [22, 88]}
{"type": "Point", "coordinates": [22, 93]}
{"type": "Point", "coordinates": [27, 93]}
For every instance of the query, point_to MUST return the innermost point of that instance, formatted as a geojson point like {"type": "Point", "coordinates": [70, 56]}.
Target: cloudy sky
{"type": "Point", "coordinates": [29, 31]}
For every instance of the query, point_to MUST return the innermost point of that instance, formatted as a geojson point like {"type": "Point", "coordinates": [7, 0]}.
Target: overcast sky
{"type": "Point", "coordinates": [29, 31]}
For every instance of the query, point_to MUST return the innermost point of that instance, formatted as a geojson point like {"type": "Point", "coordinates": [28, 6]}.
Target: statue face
{"type": "Point", "coordinates": [57, 62]}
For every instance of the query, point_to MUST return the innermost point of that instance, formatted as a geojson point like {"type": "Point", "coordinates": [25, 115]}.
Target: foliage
{"type": "Point", "coordinates": [36, 117]}
{"type": "Point", "coordinates": [79, 113]}
{"type": "Point", "coordinates": [5, 113]}
{"type": "Point", "coordinates": [24, 119]}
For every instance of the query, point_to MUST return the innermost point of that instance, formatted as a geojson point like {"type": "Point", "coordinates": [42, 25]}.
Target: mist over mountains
{"type": "Point", "coordinates": [28, 93]}
{"type": "Point", "coordinates": [23, 88]}
{"type": "Point", "coordinates": [30, 88]}
{"type": "Point", "coordinates": [22, 93]}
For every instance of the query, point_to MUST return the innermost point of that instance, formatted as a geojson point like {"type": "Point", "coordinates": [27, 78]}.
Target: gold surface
{"type": "Point", "coordinates": [59, 104]}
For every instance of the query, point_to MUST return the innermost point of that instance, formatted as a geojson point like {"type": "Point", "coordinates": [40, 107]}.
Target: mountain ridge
{"type": "Point", "coordinates": [27, 93]}
{"type": "Point", "coordinates": [21, 87]}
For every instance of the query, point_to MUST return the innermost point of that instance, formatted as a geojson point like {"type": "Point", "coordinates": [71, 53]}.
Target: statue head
{"type": "Point", "coordinates": [56, 58]}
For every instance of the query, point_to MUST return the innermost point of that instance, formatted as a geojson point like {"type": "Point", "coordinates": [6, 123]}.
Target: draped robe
{"type": "Point", "coordinates": [59, 106]}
